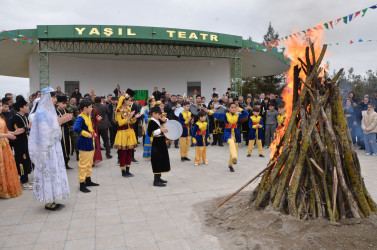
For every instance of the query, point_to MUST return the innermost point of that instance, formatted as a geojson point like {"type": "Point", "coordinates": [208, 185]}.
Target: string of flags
{"type": "Point", "coordinates": [264, 47]}
{"type": "Point", "coordinates": [17, 38]}
{"type": "Point", "coordinates": [331, 24]}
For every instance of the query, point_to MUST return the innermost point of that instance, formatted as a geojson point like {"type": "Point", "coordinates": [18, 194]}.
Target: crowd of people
{"type": "Point", "coordinates": [362, 120]}
{"type": "Point", "coordinates": [44, 133]}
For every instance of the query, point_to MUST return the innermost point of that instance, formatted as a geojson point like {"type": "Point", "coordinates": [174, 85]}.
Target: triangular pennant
{"type": "Point", "coordinates": [23, 42]}
{"type": "Point", "coordinates": [360, 40]}
{"type": "Point", "coordinates": [345, 19]}
{"type": "Point", "coordinates": [364, 11]}
{"type": "Point", "coordinates": [32, 42]}
{"type": "Point", "coordinates": [356, 14]}
{"type": "Point", "coordinates": [14, 39]}
{"type": "Point", "coordinates": [304, 32]}
{"type": "Point", "coordinates": [254, 50]}
{"type": "Point", "coordinates": [331, 24]}
{"type": "Point", "coordinates": [369, 40]}
{"type": "Point", "coordinates": [11, 33]}
{"type": "Point", "coordinates": [351, 42]}
{"type": "Point", "coordinates": [5, 38]}
{"type": "Point", "coordinates": [350, 17]}
{"type": "Point", "coordinates": [337, 43]}
{"type": "Point", "coordinates": [270, 49]}
{"type": "Point", "coordinates": [264, 44]}
{"type": "Point", "coordinates": [338, 20]}
{"type": "Point", "coordinates": [373, 7]}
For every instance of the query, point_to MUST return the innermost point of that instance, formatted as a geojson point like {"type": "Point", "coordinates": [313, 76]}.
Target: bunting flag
{"type": "Point", "coordinates": [20, 36]}
{"type": "Point", "coordinates": [263, 48]}
{"type": "Point", "coordinates": [346, 19]}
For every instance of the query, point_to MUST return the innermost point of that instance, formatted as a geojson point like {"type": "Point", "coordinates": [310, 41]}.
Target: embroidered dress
{"type": "Point", "coordinates": [45, 149]}
{"type": "Point", "coordinates": [9, 180]}
{"type": "Point", "coordinates": [147, 139]}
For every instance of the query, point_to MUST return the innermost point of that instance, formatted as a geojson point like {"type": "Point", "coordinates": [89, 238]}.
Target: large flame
{"type": "Point", "coordinates": [295, 48]}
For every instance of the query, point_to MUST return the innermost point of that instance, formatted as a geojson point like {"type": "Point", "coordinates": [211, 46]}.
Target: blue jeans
{"type": "Point", "coordinates": [370, 143]}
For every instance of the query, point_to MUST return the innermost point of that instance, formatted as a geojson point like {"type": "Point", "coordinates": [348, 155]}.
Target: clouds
{"type": "Point", "coordinates": [239, 17]}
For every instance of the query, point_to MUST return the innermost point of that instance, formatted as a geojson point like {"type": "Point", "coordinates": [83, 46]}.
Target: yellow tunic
{"type": "Point", "coordinates": [125, 138]}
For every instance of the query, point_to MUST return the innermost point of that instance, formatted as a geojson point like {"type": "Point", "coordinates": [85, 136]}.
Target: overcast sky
{"type": "Point", "coordinates": [238, 17]}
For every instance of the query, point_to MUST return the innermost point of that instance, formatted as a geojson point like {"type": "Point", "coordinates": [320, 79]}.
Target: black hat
{"type": "Point", "coordinates": [130, 92]}
{"type": "Point", "coordinates": [20, 103]}
{"type": "Point", "coordinates": [62, 98]}
{"type": "Point", "coordinates": [155, 109]}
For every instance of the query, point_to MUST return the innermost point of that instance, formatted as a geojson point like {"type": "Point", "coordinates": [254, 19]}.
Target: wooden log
{"type": "Point", "coordinates": [349, 197]}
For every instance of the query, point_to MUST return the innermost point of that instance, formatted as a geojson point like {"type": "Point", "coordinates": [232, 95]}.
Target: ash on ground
{"type": "Point", "coordinates": [238, 225]}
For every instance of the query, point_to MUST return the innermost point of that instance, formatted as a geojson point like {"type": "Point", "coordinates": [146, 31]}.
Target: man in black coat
{"type": "Point", "coordinates": [117, 91]}
{"type": "Point", "coordinates": [156, 94]}
{"type": "Point", "coordinates": [103, 127]}
{"type": "Point", "coordinates": [113, 125]}
{"type": "Point", "coordinates": [77, 95]}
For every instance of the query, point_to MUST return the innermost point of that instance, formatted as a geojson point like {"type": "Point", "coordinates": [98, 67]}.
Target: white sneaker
{"type": "Point", "coordinates": [26, 186]}
{"type": "Point", "coordinates": [196, 164]}
{"type": "Point", "coordinates": [367, 154]}
{"type": "Point", "coordinates": [206, 163]}
{"type": "Point", "coordinates": [374, 154]}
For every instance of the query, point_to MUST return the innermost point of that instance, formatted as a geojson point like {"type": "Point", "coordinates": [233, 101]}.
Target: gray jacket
{"type": "Point", "coordinates": [103, 111]}
{"type": "Point", "coordinates": [271, 117]}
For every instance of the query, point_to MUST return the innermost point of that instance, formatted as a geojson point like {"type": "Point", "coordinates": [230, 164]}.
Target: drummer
{"type": "Point", "coordinates": [159, 155]}
{"type": "Point", "coordinates": [170, 107]}
{"type": "Point", "coordinates": [231, 133]}
{"type": "Point", "coordinates": [186, 119]}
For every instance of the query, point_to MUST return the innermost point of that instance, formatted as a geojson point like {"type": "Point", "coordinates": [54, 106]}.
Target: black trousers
{"type": "Point", "coordinates": [104, 134]}
{"type": "Point", "coordinates": [113, 131]}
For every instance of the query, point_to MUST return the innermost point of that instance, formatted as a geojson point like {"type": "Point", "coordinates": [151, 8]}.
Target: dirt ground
{"type": "Point", "coordinates": [239, 226]}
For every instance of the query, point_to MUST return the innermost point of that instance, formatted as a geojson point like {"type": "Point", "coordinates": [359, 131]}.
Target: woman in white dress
{"type": "Point", "coordinates": [45, 150]}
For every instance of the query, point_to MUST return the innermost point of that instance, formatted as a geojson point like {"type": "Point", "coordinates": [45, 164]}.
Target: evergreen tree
{"type": "Point", "coordinates": [271, 35]}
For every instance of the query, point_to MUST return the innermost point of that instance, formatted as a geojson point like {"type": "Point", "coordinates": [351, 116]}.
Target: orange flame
{"type": "Point", "coordinates": [295, 48]}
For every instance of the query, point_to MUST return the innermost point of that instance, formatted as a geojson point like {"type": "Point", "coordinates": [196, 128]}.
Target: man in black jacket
{"type": "Point", "coordinates": [156, 94]}
{"type": "Point", "coordinates": [117, 91]}
{"type": "Point", "coordinates": [77, 95]}
{"type": "Point", "coordinates": [103, 127]}
{"type": "Point", "coordinates": [113, 125]}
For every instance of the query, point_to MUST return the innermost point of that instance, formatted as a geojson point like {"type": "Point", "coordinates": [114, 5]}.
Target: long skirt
{"type": "Point", "coordinates": [97, 153]}
{"type": "Point", "coordinates": [147, 146]}
{"type": "Point", "coordinates": [9, 180]}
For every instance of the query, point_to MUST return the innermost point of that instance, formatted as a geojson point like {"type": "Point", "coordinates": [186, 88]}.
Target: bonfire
{"type": "Point", "coordinates": [314, 171]}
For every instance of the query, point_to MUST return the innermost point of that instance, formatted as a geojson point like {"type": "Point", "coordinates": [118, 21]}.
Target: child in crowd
{"type": "Point", "coordinates": [200, 138]}
{"type": "Point", "coordinates": [159, 153]}
{"type": "Point", "coordinates": [281, 118]}
{"type": "Point", "coordinates": [125, 139]}
{"type": "Point", "coordinates": [20, 144]}
{"type": "Point", "coordinates": [369, 126]}
{"type": "Point", "coordinates": [184, 141]}
{"type": "Point", "coordinates": [66, 137]}
{"type": "Point", "coordinates": [231, 133]}
{"type": "Point", "coordinates": [271, 121]}
{"type": "Point", "coordinates": [255, 134]}
{"type": "Point", "coordinates": [85, 144]}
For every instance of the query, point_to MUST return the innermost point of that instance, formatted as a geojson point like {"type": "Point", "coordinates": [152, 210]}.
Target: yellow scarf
{"type": "Point", "coordinates": [202, 125]}
{"type": "Point", "coordinates": [88, 121]}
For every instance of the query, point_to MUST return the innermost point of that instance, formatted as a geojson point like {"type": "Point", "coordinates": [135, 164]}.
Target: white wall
{"type": "Point", "coordinates": [103, 75]}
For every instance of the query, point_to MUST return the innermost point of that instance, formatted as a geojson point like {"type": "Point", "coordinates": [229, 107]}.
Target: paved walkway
{"type": "Point", "coordinates": [132, 214]}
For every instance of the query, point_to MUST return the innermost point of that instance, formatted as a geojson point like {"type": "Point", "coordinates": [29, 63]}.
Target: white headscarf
{"type": "Point", "coordinates": [45, 130]}
{"type": "Point", "coordinates": [35, 104]}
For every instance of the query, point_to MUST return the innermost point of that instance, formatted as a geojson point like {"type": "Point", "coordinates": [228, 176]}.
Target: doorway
{"type": "Point", "coordinates": [192, 87]}
{"type": "Point", "coordinates": [69, 87]}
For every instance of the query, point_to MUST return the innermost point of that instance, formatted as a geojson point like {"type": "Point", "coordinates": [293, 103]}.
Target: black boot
{"type": "Point", "coordinates": [126, 173]}
{"type": "Point", "coordinates": [157, 182]}
{"type": "Point", "coordinates": [88, 182]}
{"type": "Point", "coordinates": [83, 188]}
{"type": "Point", "coordinates": [67, 167]}
{"type": "Point", "coordinates": [77, 155]}
{"type": "Point", "coordinates": [231, 169]}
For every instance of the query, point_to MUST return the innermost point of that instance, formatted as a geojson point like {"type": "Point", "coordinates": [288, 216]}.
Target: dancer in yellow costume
{"type": "Point", "coordinates": [125, 139]}
{"type": "Point", "coordinates": [231, 132]}
{"type": "Point", "coordinates": [255, 133]}
{"type": "Point", "coordinates": [184, 141]}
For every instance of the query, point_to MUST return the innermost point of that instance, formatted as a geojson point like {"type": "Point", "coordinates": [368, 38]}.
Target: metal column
{"type": "Point", "coordinates": [44, 74]}
{"type": "Point", "coordinates": [237, 75]}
